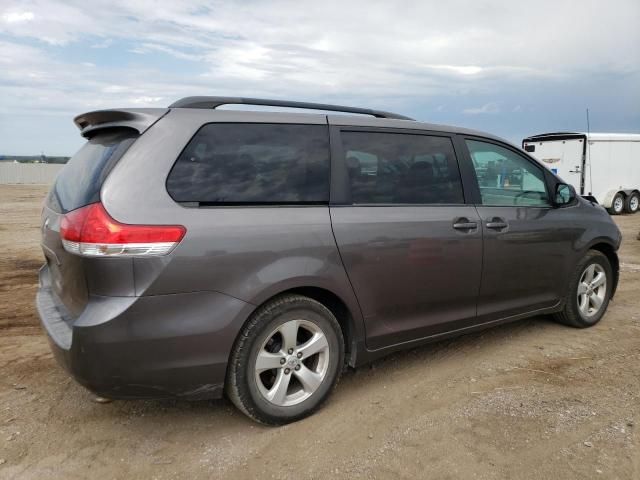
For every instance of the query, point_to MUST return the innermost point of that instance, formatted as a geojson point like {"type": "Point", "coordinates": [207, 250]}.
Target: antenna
{"type": "Point", "coordinates": [589, 154]}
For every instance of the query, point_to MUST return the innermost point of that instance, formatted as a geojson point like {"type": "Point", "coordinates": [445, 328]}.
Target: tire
{"type": "Point", "coordinates": [617, 204]}
{"type": "Point", "coordinates": [572, 313]}
{"type": "Point", "coordinates": [294, 385]}
{"type": "Point", "coordinates": [633, 203]}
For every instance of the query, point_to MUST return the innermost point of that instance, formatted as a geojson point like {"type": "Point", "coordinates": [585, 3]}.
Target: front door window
{"type": "Point", "coordinates": [507, 178]}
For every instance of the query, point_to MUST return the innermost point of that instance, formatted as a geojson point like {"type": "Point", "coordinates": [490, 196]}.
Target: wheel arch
{"type": "Point", "coordinates": [342, 313]}
{"type": "Point", "coordinates": [346, 311]}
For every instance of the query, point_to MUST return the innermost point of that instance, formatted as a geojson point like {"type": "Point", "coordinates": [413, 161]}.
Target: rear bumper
{"type": "Point", "coordinates": [145, 347]}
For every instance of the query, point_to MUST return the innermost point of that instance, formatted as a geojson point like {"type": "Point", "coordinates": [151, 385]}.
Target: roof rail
{"type": "Point", "coordinates": [214, 102]}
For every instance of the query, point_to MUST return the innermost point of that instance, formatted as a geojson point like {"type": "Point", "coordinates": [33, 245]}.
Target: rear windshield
{"type": "Point", "coordinates": [239, 164]}
{"type": "Point", "coordinates": [79, 182]}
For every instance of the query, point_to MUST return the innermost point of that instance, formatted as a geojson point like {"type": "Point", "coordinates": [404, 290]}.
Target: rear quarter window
{"type": "Point", "coordinates": [237, 164]}
{"type": "Point", "coordinates": [79, 182]}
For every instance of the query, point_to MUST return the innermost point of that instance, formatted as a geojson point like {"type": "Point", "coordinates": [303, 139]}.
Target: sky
{"type": "Point", "coordinates": [512, 68]}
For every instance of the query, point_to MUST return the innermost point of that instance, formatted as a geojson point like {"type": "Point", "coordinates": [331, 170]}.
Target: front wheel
{"type": "Point", "coordinates": [286, 361]}
{"type": "Point", "coordinates": [589, 292]}
{"type": "Point", "coordinates": [633, 203]}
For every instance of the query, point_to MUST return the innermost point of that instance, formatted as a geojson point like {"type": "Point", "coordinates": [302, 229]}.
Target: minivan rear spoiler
{"type": "Point", "coordinates": [139, 119]}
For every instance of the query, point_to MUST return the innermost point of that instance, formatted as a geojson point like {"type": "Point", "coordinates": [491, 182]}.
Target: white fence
{"type": "Point", "coordinates": [33, 173]}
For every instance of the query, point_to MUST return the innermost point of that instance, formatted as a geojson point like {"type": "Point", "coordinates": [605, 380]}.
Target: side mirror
{"type": "Point", "coordinates": [564, 195]}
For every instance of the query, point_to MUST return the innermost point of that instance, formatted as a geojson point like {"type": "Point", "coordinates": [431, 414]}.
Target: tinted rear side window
{"type": "Point", "coordinates": [228, 164]}
{"type": "Point", "coordinates": [394, 168]}
{"type": "Point", "coordinates": [79, 182]}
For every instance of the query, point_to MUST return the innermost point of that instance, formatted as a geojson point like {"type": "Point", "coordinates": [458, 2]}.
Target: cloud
{"type": "Point", "coordinates": [461, 69]}
{"type": "Point", "coordinates": [17, 17]}
{"type": "Point", "coordinates": [106, 43]}
{"type": "Point", "coordinates": [147, 47]}
{"type": "Point", "coordinates": [477, 58]}
{"type": "Point", "coordinates": [490, 107]}
{"type": "Point", "coordinates": [145, 100]}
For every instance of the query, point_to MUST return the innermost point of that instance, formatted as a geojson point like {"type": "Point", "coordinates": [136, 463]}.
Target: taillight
{"type": "Point", "coordinates": [90, 231]}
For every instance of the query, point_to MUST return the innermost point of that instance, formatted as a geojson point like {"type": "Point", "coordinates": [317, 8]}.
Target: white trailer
{"type": "Point", "coordinates": [602, 165]}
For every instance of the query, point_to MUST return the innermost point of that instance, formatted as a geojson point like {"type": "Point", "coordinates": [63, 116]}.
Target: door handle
{"type": "Point", "coordinates": [497, 223]}
{"type": "Point", "coordinates": [464, 224]}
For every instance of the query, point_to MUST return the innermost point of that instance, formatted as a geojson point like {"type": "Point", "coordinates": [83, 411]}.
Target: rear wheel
{"type": "Point", "coordinates": [589, 292]}
{"type": "Point", "coordinates": [617, 205]}
{"type": "Point", "coordinates": [286, 361]}
{"type": "Point", "coordinates": [633, 203]}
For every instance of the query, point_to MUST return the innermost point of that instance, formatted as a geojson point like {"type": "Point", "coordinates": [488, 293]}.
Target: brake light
{"type": "Point", "coordinates": [90, 231]}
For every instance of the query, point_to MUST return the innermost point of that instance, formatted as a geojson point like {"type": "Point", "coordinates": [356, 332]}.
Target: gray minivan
{"type": "Point", "coordinates": [192, 251]}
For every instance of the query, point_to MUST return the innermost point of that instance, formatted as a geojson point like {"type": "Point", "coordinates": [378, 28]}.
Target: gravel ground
{"type": "Point", "coordinates": [528, 400]}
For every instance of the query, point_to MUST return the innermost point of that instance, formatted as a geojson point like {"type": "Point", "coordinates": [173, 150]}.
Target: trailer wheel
{"type": "Point", "coordinates": [633, 203]}
{"type": "Point", "coordinates": [617, 205]}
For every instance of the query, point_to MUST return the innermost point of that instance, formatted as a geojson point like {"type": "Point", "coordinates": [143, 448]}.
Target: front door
{"type": "Point", "coordinates": [527, 243]}
{"type": "Point", "coordinates": [411, 246]}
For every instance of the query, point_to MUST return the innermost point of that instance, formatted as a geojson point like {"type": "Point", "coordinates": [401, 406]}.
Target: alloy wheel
{"type": "Point", "coordinates": [592, 290]}
{"type": "Point", "coordinates": [292, 363]}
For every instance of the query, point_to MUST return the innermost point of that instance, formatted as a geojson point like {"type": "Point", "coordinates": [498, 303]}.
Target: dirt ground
{"type": "Point", "coordinates": [527, 400]}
